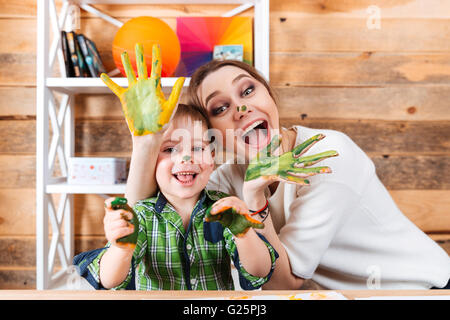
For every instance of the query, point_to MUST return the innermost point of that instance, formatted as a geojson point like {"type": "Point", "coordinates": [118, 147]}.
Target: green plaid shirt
{"type": "Point", "coordinates": [168, 257]}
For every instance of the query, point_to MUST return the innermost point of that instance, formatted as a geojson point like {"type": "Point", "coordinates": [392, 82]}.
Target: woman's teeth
{"type": "Point", "coordinates": [252, 126]}
{"type": "Point", "coordinates": [256, 133]}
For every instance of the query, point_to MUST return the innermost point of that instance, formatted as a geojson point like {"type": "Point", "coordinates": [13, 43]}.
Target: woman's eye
{"type": "Point", "coordinates": [248, 91]}
{"type": "Point", "coordinates": [219, 110]}
{"type": "Point", "coordinates": [170, 149]}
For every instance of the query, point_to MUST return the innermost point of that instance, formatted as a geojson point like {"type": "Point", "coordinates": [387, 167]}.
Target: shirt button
{"type": "Point", "coordinates": [188, 246]}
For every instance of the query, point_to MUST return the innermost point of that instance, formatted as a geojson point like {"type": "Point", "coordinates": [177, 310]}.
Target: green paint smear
{"type": "Point", "coordinates": [143, 106]}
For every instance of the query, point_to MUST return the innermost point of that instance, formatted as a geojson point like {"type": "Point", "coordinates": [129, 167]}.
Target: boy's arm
{"type": "Point", "coordinates": [253, 253]}
{"type": "Point", "coordinates": [115, 266]}
{"type": "Point", "coordinates": [141, 182]}
{"type": "Point", "coordinates": [147, 113]}
{"type": "Point", "coordinates": [253, 256]}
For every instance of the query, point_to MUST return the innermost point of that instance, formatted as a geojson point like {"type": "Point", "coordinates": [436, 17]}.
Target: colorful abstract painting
{"type": "Point", "coordinates": [199, 35]}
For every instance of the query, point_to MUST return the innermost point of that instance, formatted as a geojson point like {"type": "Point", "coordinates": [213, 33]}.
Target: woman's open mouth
{"type": "Point", "coordinates": [185, 177]}
{"type": "Point", "coordinates": [257, 134]}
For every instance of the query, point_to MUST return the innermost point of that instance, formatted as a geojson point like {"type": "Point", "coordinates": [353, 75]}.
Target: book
{"type": "Point", "coordinates": [66, 54]}
{"type": "Point", "coordinates": [96, 56]}
{"type": "Point", "coordinates": [83, 67]}
{"type": "Point", "coordinates": [88, 56]}
{"type": "Point", "coordinates": [73, 54]}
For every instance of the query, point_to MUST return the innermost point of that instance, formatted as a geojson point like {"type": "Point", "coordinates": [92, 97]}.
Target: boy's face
{"type": "Point", "coordinates": [185, 160]}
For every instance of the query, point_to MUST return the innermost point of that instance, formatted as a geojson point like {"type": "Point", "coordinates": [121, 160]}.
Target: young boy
{"type": "Point", "coordinates": [176, 248]}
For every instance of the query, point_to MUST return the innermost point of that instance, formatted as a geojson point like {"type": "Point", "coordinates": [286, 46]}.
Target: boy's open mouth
{"type": "Point", "coordinates": [256, 134]}
{"type": "Point", "coordinates": [185, 177]}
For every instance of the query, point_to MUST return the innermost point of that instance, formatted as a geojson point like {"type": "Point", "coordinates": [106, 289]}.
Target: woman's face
{"type": "Point", "coordinates": [239, 107]}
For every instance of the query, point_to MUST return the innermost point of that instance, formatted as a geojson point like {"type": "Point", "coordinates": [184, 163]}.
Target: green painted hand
{"type": "Point", "coordinates": [131, 239]}
{"type": "Point", "coordinates": [289, 166]}
{"type": "Point", "coordinates": [144, 105]}
{"type": "Point", "coordinates": [232, 213]}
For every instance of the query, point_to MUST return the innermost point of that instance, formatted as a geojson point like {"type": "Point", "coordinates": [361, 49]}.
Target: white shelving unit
{"type": "Point", "coordinates": [61, 144]}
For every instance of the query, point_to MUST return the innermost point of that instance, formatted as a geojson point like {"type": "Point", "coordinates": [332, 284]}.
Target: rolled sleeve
{"type": "Point", "coordinates": [246, 280]}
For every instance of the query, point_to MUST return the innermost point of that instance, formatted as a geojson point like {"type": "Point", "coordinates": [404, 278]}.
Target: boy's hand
{"type": "Point", "coordinates": [120, 223]}
{"type": "Point", "coordinates": [232, 213]}
{"type": "Point", "coordinates": [290, 166]}
{"type": "Point", "coordinates": [144, 105]}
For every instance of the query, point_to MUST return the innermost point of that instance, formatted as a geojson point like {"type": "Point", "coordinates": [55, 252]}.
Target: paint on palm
{"type": "Point", "coordinates": [290, 166]}
{"type": "Point", "coordinates": [238, 223]}
{"type": "Point", "coordinates": [145, 108]}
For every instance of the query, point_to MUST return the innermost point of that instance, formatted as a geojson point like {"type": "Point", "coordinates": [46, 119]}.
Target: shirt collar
{"type": "Point", "coordinates": [161, 200]}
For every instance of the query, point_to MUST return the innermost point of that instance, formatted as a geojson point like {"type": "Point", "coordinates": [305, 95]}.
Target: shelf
{"type": "Point", "coordinates": [96, 85]}
{"type": "Point", "coordinates": [86, 188]}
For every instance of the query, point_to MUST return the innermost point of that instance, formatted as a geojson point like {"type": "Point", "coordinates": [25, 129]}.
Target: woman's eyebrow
{"type": "Point", "coordinates": [242, 75]}
{"type": "Point", "coordinates": [215, 93]}
{"type": "Point", "coordinates": [212, 95]}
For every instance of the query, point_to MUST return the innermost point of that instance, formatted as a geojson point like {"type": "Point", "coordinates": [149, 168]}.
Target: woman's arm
{"type": "Point", "coordinates": [141, 182]}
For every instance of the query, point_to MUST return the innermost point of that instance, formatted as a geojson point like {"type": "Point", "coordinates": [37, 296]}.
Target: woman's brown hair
{"type": "Point", "coordinates": [202, 72]}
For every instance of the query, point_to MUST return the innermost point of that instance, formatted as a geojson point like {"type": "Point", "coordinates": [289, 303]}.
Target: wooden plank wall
{"type": "Point", "coordinates": [387, 88]}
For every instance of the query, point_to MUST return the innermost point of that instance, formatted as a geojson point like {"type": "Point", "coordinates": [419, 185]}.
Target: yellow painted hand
{"type": "Point", "coordinates": [144, 105]}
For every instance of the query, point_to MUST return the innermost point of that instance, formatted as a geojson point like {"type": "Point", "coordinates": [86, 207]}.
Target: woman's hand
{"type": "Point", "coordinates": [145, 108]}
{"type": "Point", "coordinates": [291, 167]}
{"type": "Point", "coordinates": [232, 213]}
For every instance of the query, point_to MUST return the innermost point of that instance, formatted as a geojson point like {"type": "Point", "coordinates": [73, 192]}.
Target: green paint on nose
{"type": "Point", "coordinates": [186, 158]}
{"type": "Point", "coordinates": [243, 108]}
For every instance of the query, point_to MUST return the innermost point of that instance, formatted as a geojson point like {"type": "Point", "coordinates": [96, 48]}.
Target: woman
{"type": "Point", "coordinates": [343, 230]}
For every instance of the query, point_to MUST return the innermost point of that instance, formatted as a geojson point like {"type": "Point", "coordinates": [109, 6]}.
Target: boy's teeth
{"type": "Point", "coordinates": [185, 176]}
{"type": "Point", "coordinates": [253, 126]}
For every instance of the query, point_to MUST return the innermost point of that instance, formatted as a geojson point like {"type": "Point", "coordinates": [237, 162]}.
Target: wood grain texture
{"type": "Point", "coordinates": [18, 252]}
{"type": "Point", "coordinates": [296, 69]}
{"type": "Point", "coordinates": [386, 137]}
{"type": "Point", "coordinates": [358, 68]}
{"type": "Point", "coordinates": [417, 103]}
{"type": "Point", "coordinates": [293, 33]}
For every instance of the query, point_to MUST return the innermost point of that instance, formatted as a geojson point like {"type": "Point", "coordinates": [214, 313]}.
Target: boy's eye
{"type": "Point", "coordinates": [219, 110]}
{"type": "Point", "coordinates": [197, 149]}
{"type": "Point", "coordinates": [248, 90]}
